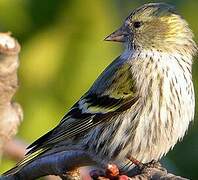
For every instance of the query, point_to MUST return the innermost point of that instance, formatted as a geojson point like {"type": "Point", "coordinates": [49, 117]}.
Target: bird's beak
{"type": "Point", "coordinates": [119, 35]}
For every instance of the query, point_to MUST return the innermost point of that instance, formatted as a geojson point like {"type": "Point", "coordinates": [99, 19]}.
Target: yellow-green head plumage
{"type": "Point", "coordinates": [159, 26]}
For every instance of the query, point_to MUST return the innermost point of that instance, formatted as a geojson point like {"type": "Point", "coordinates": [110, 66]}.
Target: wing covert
{"type": "Point", "coordinates": [111, 94]}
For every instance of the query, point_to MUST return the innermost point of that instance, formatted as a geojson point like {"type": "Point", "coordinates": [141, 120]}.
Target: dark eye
{"type": "Point", "coordinates": [137, 24]}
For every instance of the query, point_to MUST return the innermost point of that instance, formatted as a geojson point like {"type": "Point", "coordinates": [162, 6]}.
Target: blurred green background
{"type": "Point", "coordinates": [62, 54]}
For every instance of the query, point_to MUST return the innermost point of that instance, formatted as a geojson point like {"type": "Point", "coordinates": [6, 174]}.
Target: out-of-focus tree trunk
{"type": "Point", "coordinates": [10, 112]}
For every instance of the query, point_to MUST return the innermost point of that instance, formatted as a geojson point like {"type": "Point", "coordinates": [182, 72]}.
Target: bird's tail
{"type": "Point", "coordinates": [27, 160]}
{"type": "Point", "coordinates": [47, 162]}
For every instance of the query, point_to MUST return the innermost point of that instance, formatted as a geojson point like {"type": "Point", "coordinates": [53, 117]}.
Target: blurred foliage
{"type": "Point", "coordinates": [62, 54]}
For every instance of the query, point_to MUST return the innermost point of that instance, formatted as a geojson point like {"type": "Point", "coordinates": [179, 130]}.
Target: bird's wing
{"type": "Point", "coordinates": [111, 94]}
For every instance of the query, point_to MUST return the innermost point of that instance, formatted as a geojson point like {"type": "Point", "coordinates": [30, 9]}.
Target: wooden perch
{"type": "Point", "coordinates": [147, 173]}
{"type": "Point", "coordinates": [156, 174]}
{"type": "Point", "coordinates": [10, 112]}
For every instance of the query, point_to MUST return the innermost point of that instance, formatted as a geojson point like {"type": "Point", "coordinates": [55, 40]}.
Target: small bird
{"type": "Point", "coordinates": [139, 107]}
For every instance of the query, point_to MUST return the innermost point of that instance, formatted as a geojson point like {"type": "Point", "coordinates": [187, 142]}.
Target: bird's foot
{"type": "Point", "coordinates": [153, 164]}
{"type": "Point", "coordinates": [142, 166]}
{"type": "Point", "coordinates": [111, 173]}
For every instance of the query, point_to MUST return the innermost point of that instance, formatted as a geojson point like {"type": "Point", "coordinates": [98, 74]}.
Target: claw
{"type": "Point", "coordinates": [136, 162]}
{"type": "Point", "coordinates": [152, 164]}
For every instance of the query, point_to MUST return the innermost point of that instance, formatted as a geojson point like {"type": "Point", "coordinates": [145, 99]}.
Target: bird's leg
{"type": "Point", "coordinates": [142, 166]}
{"type": "Point", "coordinates": [135, 161]}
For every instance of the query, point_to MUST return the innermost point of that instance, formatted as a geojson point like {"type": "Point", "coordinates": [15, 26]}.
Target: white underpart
{"type": "Point", "coordinates": [160, 116]}
{"type": "Point", "coordinates": [162, 121]}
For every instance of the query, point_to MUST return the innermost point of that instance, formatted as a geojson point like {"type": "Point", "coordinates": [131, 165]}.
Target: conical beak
{"type": "Point", "coordinates": [119, 35]}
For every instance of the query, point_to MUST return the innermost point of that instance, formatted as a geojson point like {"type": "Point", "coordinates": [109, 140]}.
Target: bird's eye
{"type": "Point", "coordinates": [137, 24]}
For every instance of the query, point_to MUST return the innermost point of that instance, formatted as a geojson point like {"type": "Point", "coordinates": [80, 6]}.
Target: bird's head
{"type": "Point", "coordinates": [155, 26]}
